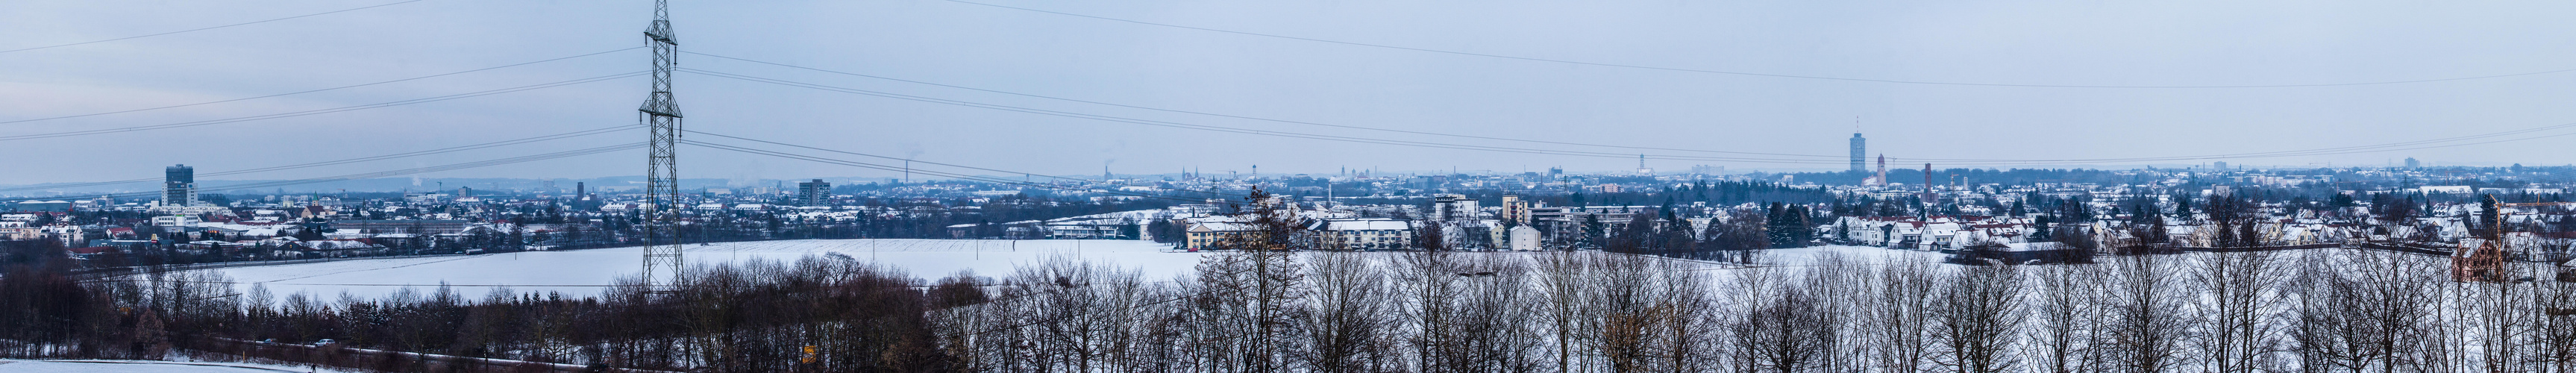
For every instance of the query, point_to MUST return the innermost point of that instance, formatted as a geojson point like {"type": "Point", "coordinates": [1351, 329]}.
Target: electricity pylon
{"type": "Point", "coordinates": [662, 169]}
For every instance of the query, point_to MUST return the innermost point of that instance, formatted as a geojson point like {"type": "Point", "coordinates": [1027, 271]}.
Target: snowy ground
{"type": "Point", "coordinates": [582, 272]}
{"type": "Point", "coordinates": [1806, 256]}
{"type": "Point", "coordinates": [139, 366]}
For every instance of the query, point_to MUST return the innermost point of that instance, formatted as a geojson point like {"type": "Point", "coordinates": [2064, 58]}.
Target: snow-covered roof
{"type": "Point", "coordinates": [343, 244]}
{"type": "Point", "coordinates": [1366, 224]}
{"type": "Point", "coordinates": [1220, 227]}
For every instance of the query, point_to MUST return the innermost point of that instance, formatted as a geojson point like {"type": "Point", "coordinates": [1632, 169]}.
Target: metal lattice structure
{"type": "Point", "coordinates": [662, 169]}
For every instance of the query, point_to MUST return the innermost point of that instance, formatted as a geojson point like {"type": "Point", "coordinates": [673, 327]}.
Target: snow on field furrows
{"type": "Point", "coordinates": [581, 272]}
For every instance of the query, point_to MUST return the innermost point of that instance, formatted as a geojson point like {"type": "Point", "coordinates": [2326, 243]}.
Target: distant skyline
{"type": "Point", "coordinates": [1521, 87]}
{"type": "Point", "coordinates": [629, 183]}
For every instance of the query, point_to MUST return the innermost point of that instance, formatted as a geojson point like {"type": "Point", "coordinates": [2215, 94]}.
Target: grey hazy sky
{"type": "Point", "coordinates": [2009, 42]}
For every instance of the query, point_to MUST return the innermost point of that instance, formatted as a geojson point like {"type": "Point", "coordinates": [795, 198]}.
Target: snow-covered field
{"type": "Point", "coordinates": [583, 272]}
{"type": "Point", "coordinates": [1806, 256]}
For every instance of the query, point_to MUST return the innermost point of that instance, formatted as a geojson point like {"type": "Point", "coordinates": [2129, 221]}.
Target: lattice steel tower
{"type": "Point", "coordinates": [662, 169]}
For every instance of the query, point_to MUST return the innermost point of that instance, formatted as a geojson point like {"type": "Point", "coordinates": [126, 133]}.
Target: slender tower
{"type": "Point", "coordinates": [1881, 179]}
{"type": "Point", "coordinates": [1859, 153]}
{"type": "Point", "coordinates": [662, 169]}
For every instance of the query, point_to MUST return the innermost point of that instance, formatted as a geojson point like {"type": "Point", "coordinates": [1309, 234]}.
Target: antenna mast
{"type": "Point", "coordinates": [662, 169]}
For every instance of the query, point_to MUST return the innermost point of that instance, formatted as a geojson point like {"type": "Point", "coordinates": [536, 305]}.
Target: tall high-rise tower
{"type": "Point", "coordinates": [813, 193]}
{"type": "Point", "coordinates": [1859, 153]}
{"type": "Point", "coordinates": [662, 170]}
{"type": "Point", "coordinates": [178, 185]}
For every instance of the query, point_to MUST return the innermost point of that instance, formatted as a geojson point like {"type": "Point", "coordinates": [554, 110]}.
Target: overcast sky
{"type": "Point", "coordinates": [2167, 43]}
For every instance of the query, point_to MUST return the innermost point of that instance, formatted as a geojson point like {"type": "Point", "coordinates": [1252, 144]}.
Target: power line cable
{"type": "Point", "coordinates": [909, 169]}
{"type": "Point", "coordinates": [1255, 118]}
{"type": "Point", "coordinates": [319, 90]}
{"type": "Point", "coordinates": [885, 157]}
{"type": "Point", "coordinates": [828, 160]}
{"type": "Point", "coordinates": [2288, 153]}
{"type": "Point", "coordinates": [448, 167]}
{"type": "Point", "coordinates": [1742, 73]}
{"type": "Point", "coordinates": [1832, 158]}
{"type": "Point", "coordinates": [2311, 152]}
{"type": "Point", "coordinates": [932, 173]}
{"type": "Point", "coordinates": [319, 111]}
{"type": "Point", "coordinates": [376, 174]}
{"type": "Point", "coordinates": [1236, 130]}
{"type": "Point", "coordinates": [350, 160]}
{"type": "Point", "coordinates": [211, 28]}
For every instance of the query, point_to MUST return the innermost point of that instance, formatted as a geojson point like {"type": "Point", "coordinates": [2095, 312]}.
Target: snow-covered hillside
{"type": "Point", "coordinates": [585, 270]}
{"type": "Point", "coordinates": [582, 272]}
{"type": "Point", "coordinates": [1806, 256]}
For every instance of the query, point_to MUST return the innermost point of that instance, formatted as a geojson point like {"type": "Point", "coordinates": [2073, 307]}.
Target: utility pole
{"type": "Point", "coordinates": [662, 169]}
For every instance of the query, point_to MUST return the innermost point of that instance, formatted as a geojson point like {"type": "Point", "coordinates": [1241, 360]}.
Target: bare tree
{"type": "Point", "coordinates": [1490, 327]}
{"type": "Point", "coordinates": [1430, 289]}
{"type": "Point", "coordinates": [1977, 319]}
{"type": "Point", "coordinates": [2064, 304]}
{"type": "Point", "coordinates": [955, 305]}
{"type": "Point", "coordinates": [1348, 330]}
{"type": "Point", "coordinates": [1564, 281]}
{"type": "Point", "coordinates": [2146, 323]}
{"type": "Point", "coordinates": [1623, 296]}
{"type": "Point", "coordinates": [1078, 313]}
{"type": "Point", "coordinates": [1253, 295]}
{"type": "Point", "coordinates": [1844, 339]}
{"type": "Point", "coordinates": [2501, 320]}
{"type": "Point", "coordinates": [1774, 329]}
{"type": "Point", "coordinates": [2365, 311]}
{"type": "Point", "coordinates": [1900, 315]}
{"type": "Point", "coordinates": [2236, 297]}
{"type": "Point", "coordinates": [2554, 333]}
{"type": "Point", "coordinates": [1686, 307]}
{"type": "Point", "coordinates": [1242, 309]}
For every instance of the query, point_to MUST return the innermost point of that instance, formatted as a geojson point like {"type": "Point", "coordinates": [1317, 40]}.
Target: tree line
{"type": "Point", "coordinates": [1427, 311]}
{"type": "Point", "coordinates": [1263, 304]}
